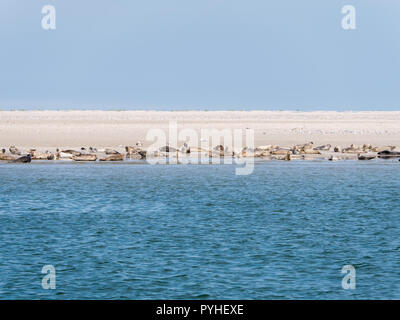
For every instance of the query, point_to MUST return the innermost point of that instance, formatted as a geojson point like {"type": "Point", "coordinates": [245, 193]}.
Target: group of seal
{"type": "Point", "coordinates": [306, 151]}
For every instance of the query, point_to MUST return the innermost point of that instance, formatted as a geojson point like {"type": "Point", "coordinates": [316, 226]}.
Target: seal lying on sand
{"type": "Point", "coordinates": [280, 151]}
{"type": "Point", "coordinates": [23, 159]}
{"type": "Point", "coordinates": [85, 157]}
{"type": "Point", "coordinates": [267, 147]}
{"type": "Point", "coordinates": [325, 147]}
{"type": "Point", "coordinates": [362, 157]}
{"type": "Point", "coordinates": [303, 146]}
{"type": "Point", "coordinates": [135, 153]}
{"type": "Point", "coordinates": [219, 148]}
{"type": "Point", "coordinates": [135, 156]}
{"type": "Point", "coordinates": [351, 149]}
{"type": "Point", "coordinates": [6, 157]}
{"type": "Point", "coordinates": [111, 151]}
{"type": "Point", "coordinates": [386, 154]}
{"type": "Point", "coordinates": [113, 157]}
{"type": "Point", "coordinates": [62, 155]}
{"type": "Point", "coordinates": [143, 154]}
{"type": "Point", "coordinates": [73, 152]}
{"type": "Point", "coordinates": [14, 150]}
{"type": "Point", "coordinates": [309, 151]}
{"type": "Point", "coordinates": [185, 148]}
{"type": "Point", "coordinates": [385, 148]}
{"type": "Point", "coordinates": [167, 149]}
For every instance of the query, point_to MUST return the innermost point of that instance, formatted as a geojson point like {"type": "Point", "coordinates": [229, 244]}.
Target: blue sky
{"type": "Point", "coordinates": [200, 54]}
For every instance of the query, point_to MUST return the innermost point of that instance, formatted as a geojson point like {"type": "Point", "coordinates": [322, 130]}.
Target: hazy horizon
{"type": "Point", "coordinates": [206, 109]}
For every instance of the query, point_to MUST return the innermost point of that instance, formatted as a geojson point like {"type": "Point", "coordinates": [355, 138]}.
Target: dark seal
{"type": "Point", "coordinates": [24, 159]}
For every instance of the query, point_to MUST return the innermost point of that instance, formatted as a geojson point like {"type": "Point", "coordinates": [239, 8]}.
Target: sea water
{"type": "Point", "coordinates": [139, 231]}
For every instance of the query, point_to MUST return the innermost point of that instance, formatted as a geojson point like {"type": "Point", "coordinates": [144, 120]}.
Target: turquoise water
{"type": "Point", "coordinates": [136, 231]}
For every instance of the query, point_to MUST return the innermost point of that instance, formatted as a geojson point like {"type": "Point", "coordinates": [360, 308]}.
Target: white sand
{"type": "Point", "coordinates": [50, 129]}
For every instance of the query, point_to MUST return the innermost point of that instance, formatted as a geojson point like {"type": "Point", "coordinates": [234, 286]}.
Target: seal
{"type": "Point", "coordinates": [23, 159]}
{"type": "Point", "coordinates": [111, 151]}
{"type": "Point", "coordinates": [113, 157]}
{"type": "Point", "coordinates": [167, 149]}
{"type": "Point", "coordinates": [310, 151]}
{"type": "Point", "coordinates": [85, 157]}
{"type": "Point", "coordinates": [6, 157]}
{"type": "Point", "coordinates": [73, 152]}
{"type": "Point", "coordinates": [385, 148]}
{"type": "Point", "coordinates": [220, 147]}
{"type": "Point", "coordinates": [351, 149]}
{"type": "Point", "coordinates": [386, 154]}
{"type": "Point", "coordinates": [280, 151]}
{"type": "Point", "coordinates": [363, 157]}
{"type": "Point", "coordinates": [14, 150]}
{"type": "Point", "coordinates": [325, 147]}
